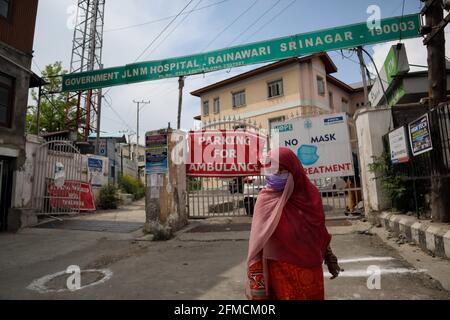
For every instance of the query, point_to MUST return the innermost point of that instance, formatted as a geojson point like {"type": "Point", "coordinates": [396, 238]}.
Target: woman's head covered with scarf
{"type": "Point", "coordinates": [289, 225]}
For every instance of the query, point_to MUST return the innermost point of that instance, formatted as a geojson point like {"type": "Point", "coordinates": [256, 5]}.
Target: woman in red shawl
{"type": "Point", "coordinates": [288, 241]}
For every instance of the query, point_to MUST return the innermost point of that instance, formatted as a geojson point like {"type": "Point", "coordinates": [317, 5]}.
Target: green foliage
{"type": "Point", "coordinates": [404, 194]}
{"type": "Point", "coordinates": [132, 186]}
{"type": "Point", "coordinates": [53, 106]}
{"type": "Point", "coordinates": [194, 184]}
{"type": "Point", "coordinates": [108, 197]}
{"type": "Point", "coordinates": [390, 182]}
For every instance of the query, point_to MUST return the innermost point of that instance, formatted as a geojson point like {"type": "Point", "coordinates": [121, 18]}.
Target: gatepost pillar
{"type": "Point", "coordinates": [165, 191]}
{"type": "Point", "coordinates": [371, 125]}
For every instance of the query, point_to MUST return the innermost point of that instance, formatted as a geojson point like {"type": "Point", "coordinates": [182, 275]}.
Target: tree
{"type": "Point", "coordinates": [53, 106]}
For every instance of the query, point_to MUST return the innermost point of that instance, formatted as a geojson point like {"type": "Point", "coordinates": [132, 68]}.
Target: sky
{"type": "Point", "coordinates": [207, 29]}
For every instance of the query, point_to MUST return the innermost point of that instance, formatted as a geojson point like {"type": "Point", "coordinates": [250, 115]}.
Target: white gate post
{"type": "Point", "coordinates": [372, 125]}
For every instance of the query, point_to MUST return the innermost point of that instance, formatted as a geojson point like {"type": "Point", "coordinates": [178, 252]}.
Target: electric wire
{"type": "Point", "coordinates": [162, 19]}
{"type": "Point", "coordinates": [162, 31]}
{"type": "Point", "coordinates": [230, 25]}
{"type": "Point", "coordinates": [176, 27]}
{"type": "Point", "coordinates": [271, 20]}
{"type": "Point", "coordinates": [254, 22]}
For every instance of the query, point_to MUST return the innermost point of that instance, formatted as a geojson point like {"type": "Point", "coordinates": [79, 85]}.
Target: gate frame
{"type": "Point", "coordinates": [41, 200]}
{"type": "Point", "coordinates": [224, 124]}
{"type": "Point", "coordinates": [342, 194]}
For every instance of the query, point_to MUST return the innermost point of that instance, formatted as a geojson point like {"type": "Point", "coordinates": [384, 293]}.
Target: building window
{"type": "Point", "coordinates": [6, 100]}
{"type": "Point", "coordinates": [274, 121]}
{"type": "Point", "coordinates": [330, 95]}
{"type": "Point", "coordinates": [239, 99]}
{"type": "Point", "coordinates": [5, 6]}
{"type": "Point", "coordinates": [206, 108]}
{"type": "Point", "coordinates": [275, 88]}
{"type": "Point", "coordinates": [216, 105]}
{"type": "Point", "coordinates": [320, 86]}
{"type": "Point", "coordinates": [344, 105]}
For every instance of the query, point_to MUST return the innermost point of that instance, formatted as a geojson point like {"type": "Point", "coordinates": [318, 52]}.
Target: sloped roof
{"type": "Point", "coordinates": [330, 67]}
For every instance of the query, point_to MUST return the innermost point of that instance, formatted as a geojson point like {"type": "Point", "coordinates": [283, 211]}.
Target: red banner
{"type": "Point", "coordinates": [224, 153]}
{"type": "Point", "coordinates": [72, 195]}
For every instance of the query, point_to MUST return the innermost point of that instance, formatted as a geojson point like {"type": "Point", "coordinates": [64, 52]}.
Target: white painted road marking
{"type": "Point", "coordinates": [365, 259]}
{"type": "Point", "coordinates": [39, 285]}
{"type": "Point", "coordinates": [364, 273]}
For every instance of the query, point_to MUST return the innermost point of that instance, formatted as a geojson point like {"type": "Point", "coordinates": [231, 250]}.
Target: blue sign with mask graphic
{"type": "Point", "coordinates": [308, 154]}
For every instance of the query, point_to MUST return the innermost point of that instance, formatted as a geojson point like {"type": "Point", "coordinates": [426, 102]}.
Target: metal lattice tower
{"type": "Point", "coordinates": [86, 56]}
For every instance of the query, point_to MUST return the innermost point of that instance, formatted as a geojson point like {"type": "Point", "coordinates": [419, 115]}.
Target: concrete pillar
{"type": "Point", "coordinates": [165, 194]}
{"type": "Point", "coordinates": [371, 126]}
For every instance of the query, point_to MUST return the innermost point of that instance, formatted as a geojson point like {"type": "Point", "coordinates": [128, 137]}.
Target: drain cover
{"type": "Point", "coordinates": [93, 225]}
{"type": "Point", "coordinates": [247, 226]}
{"type": "Point", "coordinates": [221, 228]}
{"type": "Point", "coordinates": [338, 223]}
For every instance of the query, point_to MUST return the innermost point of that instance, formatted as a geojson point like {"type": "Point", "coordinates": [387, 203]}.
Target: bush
{"type": "Point", "coordinates": [194, 184]}
{"type": "Point", "coordinates": [402, 193]}
{"type": "Point", "coordinates": [108, 197]}
{"type": "Point", "coordinates": [132, 186]}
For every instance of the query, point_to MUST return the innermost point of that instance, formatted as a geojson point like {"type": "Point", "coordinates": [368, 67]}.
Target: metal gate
{"type": "Point", "coordinates": [6, 173]}
{"type": "Point", "coordinates": [223, 197]}
{"type": "Point", "coordinates": [57, 178]}
{"type": "Point", "coordinates": [228, 197]}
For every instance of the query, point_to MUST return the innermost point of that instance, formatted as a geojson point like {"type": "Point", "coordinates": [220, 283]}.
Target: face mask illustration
{"type": "Point", "coordinates": [308, 155]}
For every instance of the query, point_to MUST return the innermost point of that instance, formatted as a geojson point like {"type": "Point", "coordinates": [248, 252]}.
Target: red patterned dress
{"type": "Point", "coordinates": [287, 282]}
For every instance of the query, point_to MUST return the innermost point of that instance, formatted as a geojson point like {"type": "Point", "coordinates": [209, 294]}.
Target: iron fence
{"type": "Point", "coordinates": [418, 173]}
{"type": "Point", "coordinates": [236, 196]}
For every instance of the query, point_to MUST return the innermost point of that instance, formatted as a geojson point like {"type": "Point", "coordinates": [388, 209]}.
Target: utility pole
{"type": "Point", "coordinates": [180, 100]}
{"type": "Point", "coordinates": [363, 74]}
{"type": "Point", "coordinates": [138, 104]}
{"type": "Point", "coordinates": [437, 78]}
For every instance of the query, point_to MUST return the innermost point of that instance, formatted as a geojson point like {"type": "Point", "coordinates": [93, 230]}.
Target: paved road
{"type": "Point", "coordinates": [203, 265]}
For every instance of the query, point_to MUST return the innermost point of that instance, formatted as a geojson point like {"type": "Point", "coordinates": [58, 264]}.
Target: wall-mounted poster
{"type": "Point", "coordinates": [321, 143]}
{"type": "Point", "coordinates": [398, 146]}
{"type": "Point", "coordinates": [95, 171]}
{"type": "Point", "coordinates": [156, 152]}
{"type": "Point", "coordinates": [420, 135]}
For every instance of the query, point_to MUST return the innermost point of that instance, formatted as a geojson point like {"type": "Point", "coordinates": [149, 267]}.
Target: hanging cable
{"type": "Point", "coordinates": [271, 20]}
{"type": "Point", "coordinates": [162, 19]}
{"type": "Point", "coordinates": [254, 22]}
{"type": "Point", "coordinates": [176, 27]}
{"type": "Point", "coordinates": [162, 31]}
{"type": "Point", "coordinates": [230, 25]}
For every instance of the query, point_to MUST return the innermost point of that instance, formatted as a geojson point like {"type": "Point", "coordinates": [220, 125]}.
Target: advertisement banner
{"type": "Point", "coordinates": [224, 153]}
{"type": "Point", "coordinates": [396, 63]}
{"type": "Point", "coordinates": [420, 135]}
{"type": "Point", "coordinates": [321, 143]}
{"type": "Point", "coordinates": [156, 153]}
{"type": "Point", "coordinates": [398, 146]}
{"type": "Point", "coordinates": [73, 195]}
{"type": "Point", "coordinates": [95, 171]}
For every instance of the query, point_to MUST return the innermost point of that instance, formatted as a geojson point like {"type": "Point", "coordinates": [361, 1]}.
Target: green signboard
{"type": "Point", "coordinates": [293, 46]}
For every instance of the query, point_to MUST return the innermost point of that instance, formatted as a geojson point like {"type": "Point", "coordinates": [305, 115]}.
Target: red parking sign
{"type": "Point", "coordinates": [224, 153]}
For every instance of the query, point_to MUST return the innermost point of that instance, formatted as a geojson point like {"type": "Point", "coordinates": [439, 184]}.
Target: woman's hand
{"type": "Point", "coordinates": [332, 263]}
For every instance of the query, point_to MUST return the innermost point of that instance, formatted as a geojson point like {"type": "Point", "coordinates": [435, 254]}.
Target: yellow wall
{"type": "Point", "coordinates": [300, 95]}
